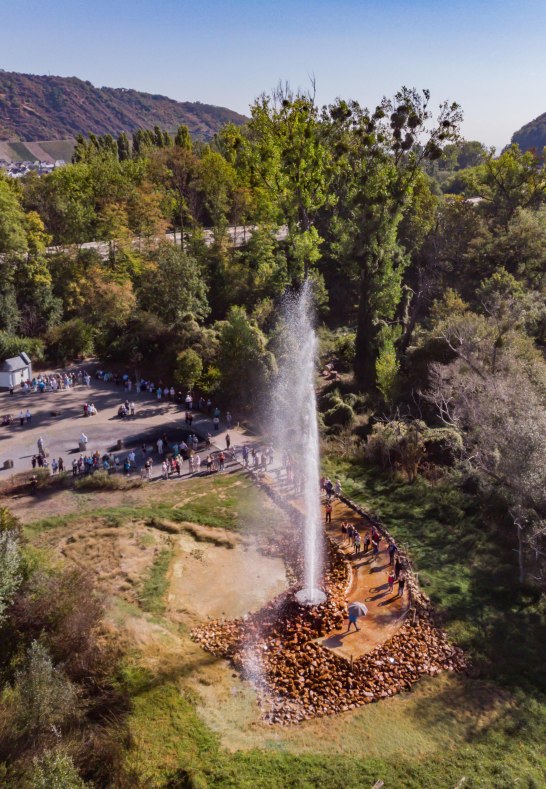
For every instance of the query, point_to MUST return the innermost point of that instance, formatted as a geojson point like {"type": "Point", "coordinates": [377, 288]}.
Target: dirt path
{"type": "Point", "coordinates": [386, 610]}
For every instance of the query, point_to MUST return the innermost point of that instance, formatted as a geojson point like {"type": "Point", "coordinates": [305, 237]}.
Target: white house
{"type": "Point", "coordinates": [13, 371]}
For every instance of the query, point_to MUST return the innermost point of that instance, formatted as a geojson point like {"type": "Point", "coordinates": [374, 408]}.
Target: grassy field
{"type": "Point", "coordinates": [195, 723]}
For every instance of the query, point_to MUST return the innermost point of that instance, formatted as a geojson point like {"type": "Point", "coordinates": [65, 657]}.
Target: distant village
{"type": "Point", "coordinates": [19, 169]}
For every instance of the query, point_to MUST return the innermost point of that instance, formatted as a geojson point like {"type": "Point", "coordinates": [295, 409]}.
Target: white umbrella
{"type": "Point", "coordinates": [358, 608]}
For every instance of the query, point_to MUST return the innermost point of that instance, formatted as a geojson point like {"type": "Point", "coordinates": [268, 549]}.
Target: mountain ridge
{"type": "Point", "coordinates": [42, 107]}
{"type": "Point", "coordinates": [532, 135]}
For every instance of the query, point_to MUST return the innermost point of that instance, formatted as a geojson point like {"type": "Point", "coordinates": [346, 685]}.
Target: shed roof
{"type": "Point", "coordinates": [13, 364]}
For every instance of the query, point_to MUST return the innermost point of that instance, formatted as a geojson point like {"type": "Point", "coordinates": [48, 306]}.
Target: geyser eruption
{"type": "Point", "coordinates": [296, 428]}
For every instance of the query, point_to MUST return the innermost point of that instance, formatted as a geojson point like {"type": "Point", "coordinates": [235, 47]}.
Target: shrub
{"type": "Point", "coordinates": [55, 770]}
{"type": "Point", "coordinates": [44, 696]}
{"type": "Point", "coordinates": [10, 566]}
{"type": "Point", "coordinates": [443, 445]}
{"type": "Point", "coordinates": [63, 611]}
{"type": "Point", "coordinates": [12, 345]}
{"type": "Point", "coordinates": [102, 480]}
{"type": "Point", "coordinates": [344, 350]}
{"type": "Point", "coordinates": [329, 399]}
{"type": "Point", "coordinates": [340, 414]}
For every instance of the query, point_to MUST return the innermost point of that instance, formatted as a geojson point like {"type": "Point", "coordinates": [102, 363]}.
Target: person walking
{"type": "Point", "coordinates": [159, 446]}
{"type": "Point", "coordinates": [353, 618]}
{"type": "Point", "coordinates": [245, 456]}
{"type": "Point", "coordinates": [367, 543]}
{"type": "Point", "coordinates": [337, 488]}
{"type": "Point", "coordinates": [328, 513]}
{"type": "Point", "coordinates": [28, 416]}
{"type": "Point", "coordinates": [197, 464]}
{"type": "Point", "coordinates": [228, 441]}
{"type": "Point", "coordinates": [61, 465]}
{"type": "Point", "coordinates": [216, 423]}
{"type": "Point", "coordinates": [22, 418]}
{"type": "Point", "coordinates": [397, 567]}
{"type": "Point", "coordinates": [221, 461]}
{"type": "Point", "coordinates": [228, 419]}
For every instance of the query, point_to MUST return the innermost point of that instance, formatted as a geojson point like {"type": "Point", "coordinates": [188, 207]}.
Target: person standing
{"type": "Point", "coordinates": [61, 465]}
{"type": "Point", "coordinates": [22, 417]}
{"type": "Point", "coordinates": [392, 551]}
{"type": "Point", "coordinates": [228, 419]}
{"type": "Point", "coordinates": [397, 567]}
{"type": "Point", "coordinates": [159, 446]}
{"type": "Point", "coordinates": [228, 440]}
{"type": "Point", "coordinates": [197, 464]}
{"type": "Point", "coordinates": [245, 456]}
{"type": "Point", "coordinates": [221, 461]}
{"type": "Point", "coordinates": [132, 406]}
{"type": "Point", "coordinates": [401, 583]}
{"type": "Point", "coordinates": [356, 539]}
{"type": "Point", "coordinates": [28, 416]}
{"type": "Point", "coordinates": [216, 423]}
{"type": "Point", "coordinates": [391, 579]}
{"type": "Point", "coordinates": [328, 513]}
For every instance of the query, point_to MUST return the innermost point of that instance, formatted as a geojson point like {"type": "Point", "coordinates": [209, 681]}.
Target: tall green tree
{"type": "Point", "coordinates": [378, 163]}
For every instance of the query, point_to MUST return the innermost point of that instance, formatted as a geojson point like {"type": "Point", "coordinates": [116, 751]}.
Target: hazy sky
{"type": "Point", "coordinates": [489, 55]}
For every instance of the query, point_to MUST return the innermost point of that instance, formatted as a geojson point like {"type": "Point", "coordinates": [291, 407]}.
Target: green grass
{"type": "Point", "coordinates": [154, 588]}
{"type": "Point", "coordinates": [173, 747]}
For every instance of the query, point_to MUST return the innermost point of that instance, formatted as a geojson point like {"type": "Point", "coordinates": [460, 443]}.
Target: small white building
{"type": "Point", "coordinates": [14, 371]}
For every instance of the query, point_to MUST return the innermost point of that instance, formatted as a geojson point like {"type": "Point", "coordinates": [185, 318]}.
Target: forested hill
{"type": "Point", "coordinates": [532, 135]}
{"type": "Point", "coordinates": [36, 107]}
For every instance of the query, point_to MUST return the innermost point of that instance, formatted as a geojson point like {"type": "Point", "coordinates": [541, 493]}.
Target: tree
{"type": "Point", "coordinates": [70, 340]}
{"type": "Point", "coordinates": [513, 180]}
{"type": "Point", "coordinates": [245, 364]}
{"type": "Point", "coordinates": [378, 164]}
{"type": "Point", "coordinates": [188, 370]}
{"type": "Point", "coordinates": [182, 138]}
{"type": "Point", "coordinates": [13, 237]}
{"type": "Point", "coordinates": [172, 284]}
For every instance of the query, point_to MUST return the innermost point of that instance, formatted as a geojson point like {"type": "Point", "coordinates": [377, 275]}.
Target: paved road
{"type": "Point", "coordinates": [238, 235]}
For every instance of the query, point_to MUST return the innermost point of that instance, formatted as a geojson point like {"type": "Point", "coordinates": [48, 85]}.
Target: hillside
{"type": "Point", "coordinates": [532, 135]}
{"type": "Point", "coordinates": [34, 107]}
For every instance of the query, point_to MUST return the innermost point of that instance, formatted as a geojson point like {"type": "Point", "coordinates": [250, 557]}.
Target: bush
{"type": "Point", "coordinates": [344, 350]}
{"type": "Point", "coordinates": [102, 480]}
{"type": "Point", "coordinates": [341, 414]}
{"type": "Point", "coordinates": [55, 770]}
{"type": "Point", "coordinates": [12, 345]}
{"type": "Point", "coordinates": [44, 696]}
{"type": "Point", "coordinates": [329, 399]}
{"type": "Point", "coordinates": [443, 445]}
{"type": "Point", "coordinates": [69, 340]}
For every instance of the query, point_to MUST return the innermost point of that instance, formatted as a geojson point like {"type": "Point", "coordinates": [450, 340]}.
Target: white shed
{"type": "Point", "coordinates": [14, 371]}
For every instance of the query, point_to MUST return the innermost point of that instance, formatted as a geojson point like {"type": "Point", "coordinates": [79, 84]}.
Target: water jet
{"type": "Point", "coordinates": [296, 429]}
